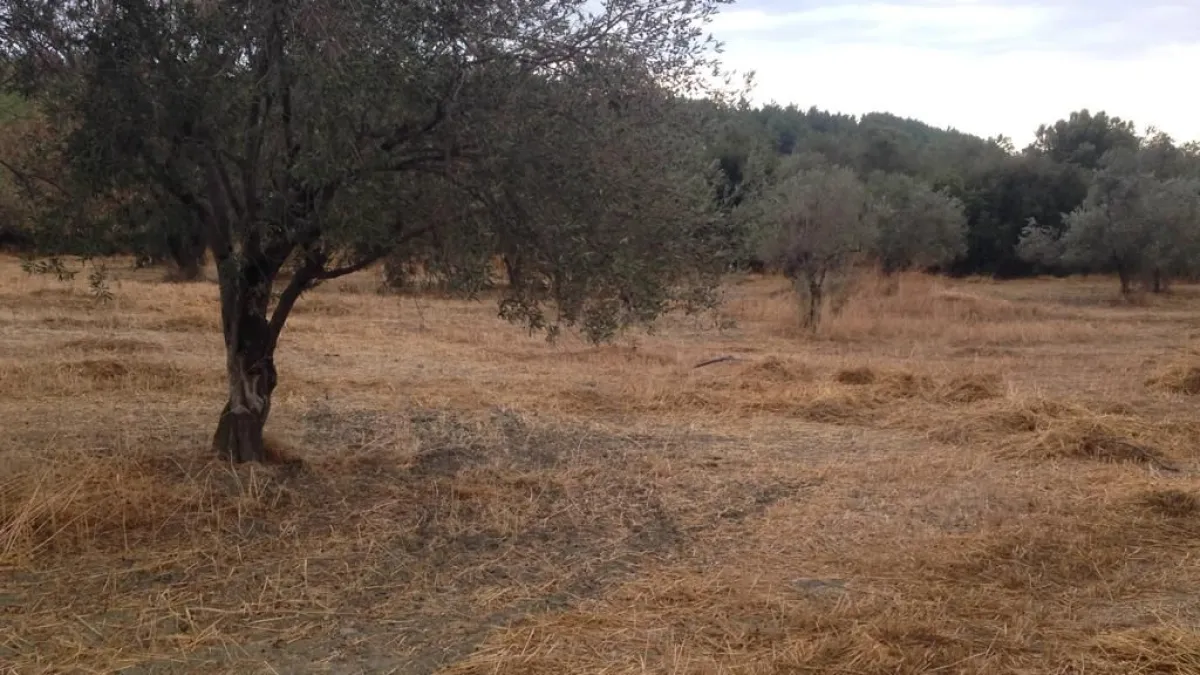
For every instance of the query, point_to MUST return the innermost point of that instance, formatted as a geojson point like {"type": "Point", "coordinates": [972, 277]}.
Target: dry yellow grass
{"type": "Point", "coordinates": [1179, 379]}
{"type": "Point", "coordinates": [951, 476]}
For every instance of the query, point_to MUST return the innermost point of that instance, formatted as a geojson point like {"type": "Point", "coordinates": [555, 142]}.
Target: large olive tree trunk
{"type": "Point", "coordinates": [250, 369]}
{"type": "Point", "coordinates": [249, 363]}
{"type": "Point", "coordinates": [250, 340]}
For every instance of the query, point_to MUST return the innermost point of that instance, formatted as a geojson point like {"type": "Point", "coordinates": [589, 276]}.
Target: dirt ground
{"type": "Point", "coordinates": [951, 476]}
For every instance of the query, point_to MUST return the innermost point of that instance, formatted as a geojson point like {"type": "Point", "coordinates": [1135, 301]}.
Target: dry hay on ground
{"type": "Point", "coordinates": [775, 370]}
{"type": "Point", "coordinates": [117, 345]}
{"type": "Point", "coordinates": [855, 376]}
{"type": "Point", "coordinates": [952, 476]}
{"type": "Point", "coordinates": [86, 376]}
{"type": "Point", "coordinates": [1173, 503]}
{"type": "Point", "coordinates": [1177, 379]}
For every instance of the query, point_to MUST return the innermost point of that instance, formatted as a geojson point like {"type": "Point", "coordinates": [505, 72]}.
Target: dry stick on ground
{"type": "Point", "coordinates": [719, 359]}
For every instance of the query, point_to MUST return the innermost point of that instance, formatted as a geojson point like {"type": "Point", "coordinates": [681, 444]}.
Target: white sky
{"type": "Point", "coordinates": [982, 66]}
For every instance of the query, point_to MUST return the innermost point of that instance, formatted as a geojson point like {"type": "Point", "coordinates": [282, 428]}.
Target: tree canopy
{"type": "Point", "coordinates": [1133, 223]}
{"type": "Point", "coordinates": [813, 223]}
{"type": "Point", "coordinates": [916, 226]}
{"type": "Point", "coordinates": [1000, 187]}
{"type": "Point", "coordinates": [1083, 138]}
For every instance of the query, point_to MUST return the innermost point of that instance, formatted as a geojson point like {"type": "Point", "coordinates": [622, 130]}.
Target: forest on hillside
{"type": "Point", "coordinates": [1007, 195]}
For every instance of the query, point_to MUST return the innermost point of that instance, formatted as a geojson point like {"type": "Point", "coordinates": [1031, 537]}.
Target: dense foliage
{"type": "Point", "coordinates": [1000, 188]}
{"type": "Point", "coordinates": [1138, 221]}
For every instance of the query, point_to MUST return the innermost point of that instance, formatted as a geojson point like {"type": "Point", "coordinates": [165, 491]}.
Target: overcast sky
{"type": "Point", "coordinates": [982, 66]}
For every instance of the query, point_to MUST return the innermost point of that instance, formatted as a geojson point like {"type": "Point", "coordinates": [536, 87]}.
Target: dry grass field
{"type": "Point", "coordinates": [954, 477]}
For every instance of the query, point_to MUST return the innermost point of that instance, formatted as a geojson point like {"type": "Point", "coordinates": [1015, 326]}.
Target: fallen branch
{"type": "Point", "coordinates": [719, 359]}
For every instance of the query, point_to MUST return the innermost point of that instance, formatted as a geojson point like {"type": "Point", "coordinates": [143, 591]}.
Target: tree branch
{"type": "Point", "coordinates": [27, 178]}
{"type": "Point", "coordinates": [313, 271]}
{"type": "Point", "coordinates": [271, 54]}
{"type": "Point", "coordinates": [325, 275]}
{"type": "Point", "coordinates": [301, 281]}
{"type": "Point", "coordinates": [417, 160]}
{"type": "Point", "coordinates": [216, 218]}
{"type": "Point", "coordinates": [407, 132]}
{"type": "Point", "coordinates": [231, 197]}
{"type": "Point", "coordinates": [403, 238]}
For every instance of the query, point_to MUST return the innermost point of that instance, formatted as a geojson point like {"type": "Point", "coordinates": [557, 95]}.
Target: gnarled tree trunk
{"type": "Point", "coordinates": [250, 369]}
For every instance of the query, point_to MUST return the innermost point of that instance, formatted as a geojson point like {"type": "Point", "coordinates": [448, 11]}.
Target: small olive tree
{"type": "Point", "coordinates": [321, 137]}
{"type": "Point", "coordinates": [917, 226]}
{"type": "Point", "coordinates": [813, 225]}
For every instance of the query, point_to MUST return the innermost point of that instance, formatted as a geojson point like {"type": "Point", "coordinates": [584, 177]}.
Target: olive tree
{"type": "Point", "coordinates": [917, 226]}
{"type": "Point", "coordinates": [320, 137]}
{"type": "Point", "coordinates": [1132, 223]}
{"type": "Point", "coordinates": [814, 224]}
{"type": "Point", "coordinates": [1172, 212]}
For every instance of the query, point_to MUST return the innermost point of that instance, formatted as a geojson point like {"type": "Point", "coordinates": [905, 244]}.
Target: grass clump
{"type": "Point", "coordinates": [859, 376]}
{"type": "Point", "coordinates": [1177, 379]}
{"type": "Point", "coordinates": [1173, 503]}
{"type": "Point", "coordinates": [1102, 438]}
{"type": "Point", "coordinates": [971, 388]}
{"type": "Point", "coordinates": [776, 370]}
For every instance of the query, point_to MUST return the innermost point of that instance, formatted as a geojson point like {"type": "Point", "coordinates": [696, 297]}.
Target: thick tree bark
{"type": "Point", "coordinates": [512, 267]}
{"type": "Point", "coordinates": [250, 341]}
{"type": "Point", "coordinates": [252, 380]}
{"type": "Point", "coordinates": [249, 359]}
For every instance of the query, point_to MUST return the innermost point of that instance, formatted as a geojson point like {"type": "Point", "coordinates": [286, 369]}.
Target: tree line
{"type": "Point", "coordinates": [1018, 206]}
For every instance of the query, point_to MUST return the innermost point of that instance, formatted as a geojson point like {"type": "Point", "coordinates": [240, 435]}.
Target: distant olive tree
{"type": "Point", "coordinates": [1160, 156]}
{"type": "Point", "coordinates": [318, 138]}
{"type": "Point", "coordinates": [813, 225]}
{"type": "Point", "coordinates": [1172, 210]}
{"type": "Point", "coordinates": [1132, 223]}
{"type": "Point", "coordinates": [916, 226]}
